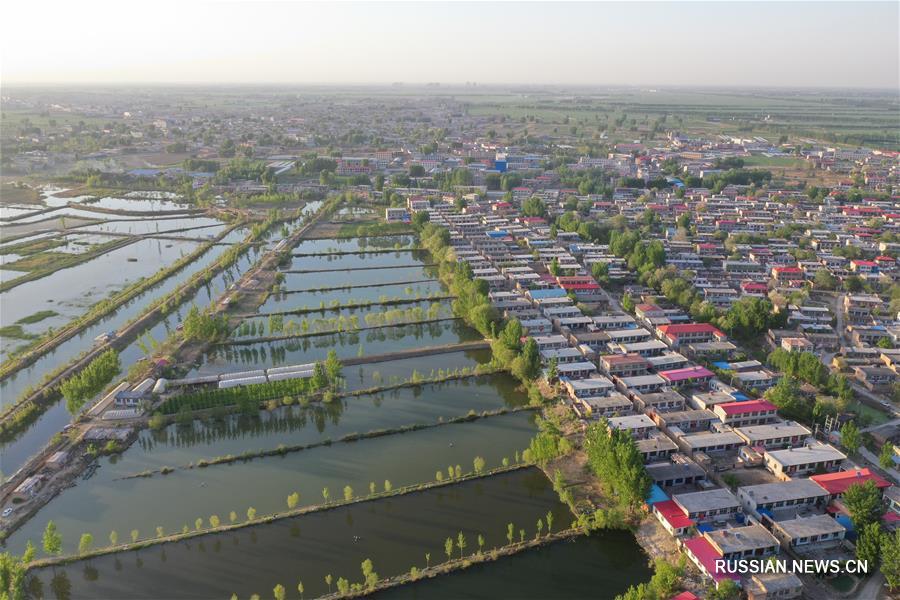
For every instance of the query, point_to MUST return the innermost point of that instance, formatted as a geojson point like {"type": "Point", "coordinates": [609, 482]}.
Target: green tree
{"type": "Point", "coordinates": [278, 592]}
{"type": "Point", "coordinates": [863, 502]}
{"type": "Point", "coordinates": [300, 589]}
{"type": "Point", "coordinates": [890, 559]}
{"type": "Point", "coordinates": [510, 532]}
{"type": "Point", "coordinates": [448, 548]}
{"type": "Point", "coordinates": [52, 540]}
{"type": "Point", "coordinates": [113, 538]}
{"type": "Point", "coordinates": [461, 543]}
{"type": "Point", "coordinates": [549, 521]}
{"type": "Point", "coordinates": [328, 581]}
{"type": "Point", "coordinates": [251, 513]}
{"type": "Point", "coordinates": [348, 493]}
{"type": "Point", "coordinates": [627, 303]}
{"type": "Point", "coordinates": [85, 543]}
{"type": "Point", "coordinates": [480, 543]}
{"type": "Point", "coordinates": [343, 586]}
{"type": "Point", "coordinates": [886, 456]}
{"type": "Point", "coordinates": [326, 494]}
{"type": "Point", "coordinates": [134, 535]}
{"type": "Point", "coordinates": [478, 464]}
{"type": "Point", "coordinates": [293, 500]}
{"type": "Point", "coordinates": [868, 545]}
{"type": "Point", "coordinates": [850, 437]}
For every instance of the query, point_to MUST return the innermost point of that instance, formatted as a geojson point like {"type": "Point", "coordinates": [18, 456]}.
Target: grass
{"type": "Point", "coordinates": [15, 332]}
{"type": "Point", "coordinates": [37, 317]}
{"type": "Point", "coordinates": [38, 262]}
{"type": "Point", "coordinates": [33, 247]}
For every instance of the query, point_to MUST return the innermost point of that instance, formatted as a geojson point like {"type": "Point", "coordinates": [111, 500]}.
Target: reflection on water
{"type": "Point", "coordinates": [394, 533]}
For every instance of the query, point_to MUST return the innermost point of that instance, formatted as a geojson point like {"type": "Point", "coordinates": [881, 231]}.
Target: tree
{"type": "Point", "coordinates": [292, 500]}
{"type": "Point", "coordinates": [214, 521]}
{"type": "Point", "coordinates": [333, 366]}
{"type": "Point", "coordinates": [461, 543]}
{"type": "Point", "coordinates": [113, 538]}
{"type": "Point", "coordinates": [890, 559]}
{"type": "Point", "coordinates": [510, 532]}
{"type": "Point", "coordinates": [343, 586]}
{"type": "Point", "coordinates": [824, 280]}
{"type": "Point", "coordinates": [300, 589]}
{"type": "Point", "coordinates": [448, 548]}
{"type": "Point", "coordinates": [388, 486]}
{"type": "Point", "coordinates": [868, 545]}
{"type": "Point", "coordinates": [348, 493]}
{"type": "Point", "coordinates": [549, 520]}
{"type": "Point", "coordinates": [863, 502]}
{"type": "Point", "coordinates": [278, 592]}
{"type": "Point", "coordinates": [850, 437]}
{"type": "Point", "coordinates": [480, 543]}
{"type": "Point", "coordinates": [540, 528]}
{"type": "Point", "coordinates": [886, 457]}
{"type": "Point", "coordinates": [328, 580]}
{"type": "Point", "coordinates": [134, 535]}
{"type": "Point", "coordinates": [326, 494]}
{"type": "Point", "coordinates": [251, 513]}
{"type": "Point", "coordinates": [627, 303]}
{"type": "Point", "coordinates": [29, 553]}
{"type": "Point", "coordinates": [478, 464]}
{"type": "Point", "coordinates": [727, 590]}
{"type": "Point", "coordinates": [428, 560]}
{"type": "Point", "coordinates": [534, 207]}
{"type": "Point", "coordinates": [85, 543]}
{"type": "Point", "coordinates": [52, 540]}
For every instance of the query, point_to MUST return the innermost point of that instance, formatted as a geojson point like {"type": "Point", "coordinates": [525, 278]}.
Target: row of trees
{"type": "Point", "coordinates": [615, 460]}
{"type": "Point", "coordinates": [91, 380]}
{"type": "Point", "coordinates": [326, 374]}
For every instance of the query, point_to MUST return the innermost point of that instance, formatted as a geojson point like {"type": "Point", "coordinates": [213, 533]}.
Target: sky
{"type": "Point", "coordinates": [723, 43]}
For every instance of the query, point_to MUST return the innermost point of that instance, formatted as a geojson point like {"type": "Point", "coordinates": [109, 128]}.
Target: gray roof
{"type": "Point", "coordinates": [802, 527]}
{"type": "Point", "coordinates": [699, 502]}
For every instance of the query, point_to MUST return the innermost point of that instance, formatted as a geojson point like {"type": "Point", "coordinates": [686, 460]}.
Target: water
{"type": "Point", "coordinates": [362, 316]}
{"type": "Point", "coordinates": [351, 244]}
{"type": "Point", "coordinates": [394, 533]}
{"type": "Point", "coordinates": [102, 503]}
{"type": "Point", "coordinates": [71, 291]}
{"type": "Point", "coordinates": [298, 300]}
{"type": "Point", "coordinates": [137, 204]}
{"type": "Point", "coordinates": [336, 262]}
{"type": "Point", "coordinates": [242, 357]}
{"type": "Point", "coordinates": [138, 226]}
{"type": "Point", "coordinates": [370, 375]}
{"type": "Point", "coordinates": [600, 567]}
{"type": "Point", "coordinates": [307, 281]}
{"type": "Point", "coordinates": [15, 453]}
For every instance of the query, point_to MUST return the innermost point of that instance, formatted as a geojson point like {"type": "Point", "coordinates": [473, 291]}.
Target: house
{"type": "Point", "coordinates": [685, 420]}
{"type": "Point", "coordinates": [623, 365]}
{"type": "Point", "coordinates": [673, 518]}
{"type": "Point", "coordinates": [576, 370]}
{"type": "Point", "coordinates": [656, 448]}
{"type": "Point", "coordinates": [706, 557]}
{"type": "Point", "coordinates": [751, 412]}
{"type": "Point", "coordinates": [810, 458]}
{"type": "Point", "coordinates": [772, 436]}
{"type": "Point", "coordinates": [641, 384]}
{"type": "Point", "coordinates": [613, 405]}
{"type": "Point", "coordinates": [875, 378]}
{"type": "Point", "coordinates": [773, 586]}
{"type": "Point", "coordinates": [750, 541]}
{"type": "Point", "coordinates": [692, 376]}
{"type": "Point", "coordinates": [639, 426]}
{"type": "Point", "coordinates": [659, 401]}
{"type": "Point", "coordinates": [837, 483]}
{"type": "Point", "coordinates": [689, 333]}
{"type": "Point", "coordinates": [815, 532]}
{"type": "Point", "coordinates": [396, 215]}
{"type": "Point", "coordinates": [710, 443]}
{"type": "Point", "coordinates": [679, 470]}
{"type": "Point", "coordinates": [649, 348]}
{"type": "Point", "coordinates": [28, 489]}
{"type": "Point", "coordinates": [782, 495]}
{"type": "Point", "coordinates": [596, 386]}
{"type": "Point", "coordinates": [710, 505]}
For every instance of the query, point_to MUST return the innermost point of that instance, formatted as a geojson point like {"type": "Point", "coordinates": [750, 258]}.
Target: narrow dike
{"type": "Point", "coordinates": [274, 517]}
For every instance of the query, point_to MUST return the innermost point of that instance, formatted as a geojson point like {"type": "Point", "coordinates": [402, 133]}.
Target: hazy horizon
{"type": "Point", "coordinates": [837, 45]}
